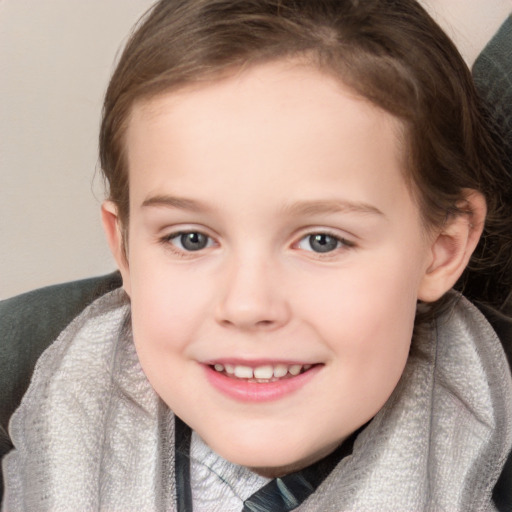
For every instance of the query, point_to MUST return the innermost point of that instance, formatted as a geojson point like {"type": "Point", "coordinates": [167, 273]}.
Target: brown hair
{"type": "Point", "coordinates": [388, 51]}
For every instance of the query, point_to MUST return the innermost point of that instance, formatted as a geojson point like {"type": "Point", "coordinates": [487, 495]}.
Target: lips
{"type": "Point", "coordinates": [259, 382]}
{"type": "Point", "coordinates": [261, 373]}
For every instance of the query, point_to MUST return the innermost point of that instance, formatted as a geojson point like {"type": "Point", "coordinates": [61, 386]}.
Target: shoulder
{"type": "Point", "coordinates": [502, 325]}
{"type": "Point", "coordinates": [28, 325]}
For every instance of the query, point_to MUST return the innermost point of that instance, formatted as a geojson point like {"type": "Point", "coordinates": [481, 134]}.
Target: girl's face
{"type": "Point", "coordinates": [275, 259]}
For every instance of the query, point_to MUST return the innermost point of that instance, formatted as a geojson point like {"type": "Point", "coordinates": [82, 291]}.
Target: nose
{"type": "Point", "coordinates": [253, 297]}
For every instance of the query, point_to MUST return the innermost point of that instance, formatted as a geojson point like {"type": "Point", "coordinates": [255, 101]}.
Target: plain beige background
{"type": "Point", "coordinates": [55, 60]}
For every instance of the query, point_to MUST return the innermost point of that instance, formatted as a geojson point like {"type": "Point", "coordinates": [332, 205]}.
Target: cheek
{"type": "Point", "coordinates": [378, 295]}
{"type": "Point", "coordinates": [165, 318]}
{"type": "Point", "coordinates": [168, 309]}
{"type": "Point", "coordinates": [366, 317]}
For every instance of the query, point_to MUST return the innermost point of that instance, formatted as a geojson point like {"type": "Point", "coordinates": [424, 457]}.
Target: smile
{"type": "Point", "coordinates": [260, 382]}
{"type": "Point", "coordinates": [264, 373]}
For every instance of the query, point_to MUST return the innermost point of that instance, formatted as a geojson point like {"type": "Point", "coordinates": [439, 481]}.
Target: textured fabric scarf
{"type": "Point", "coordinates": [92, 435]}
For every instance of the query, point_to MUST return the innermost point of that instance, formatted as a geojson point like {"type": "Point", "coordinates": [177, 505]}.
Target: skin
{"type": "Point", "coordinates": [258, 162]}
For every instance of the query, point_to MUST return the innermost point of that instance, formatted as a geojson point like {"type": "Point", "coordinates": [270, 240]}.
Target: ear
{"type": "Point", "coordinates": [452, 247]}
{"type": "Point", "coordinates": [114, 234]}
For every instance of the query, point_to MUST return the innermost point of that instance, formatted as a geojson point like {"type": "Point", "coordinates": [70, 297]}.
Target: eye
{"type": "Point", "coordinates": [321, 243]}
{"type": "Point", "coordinates": [190, 241]}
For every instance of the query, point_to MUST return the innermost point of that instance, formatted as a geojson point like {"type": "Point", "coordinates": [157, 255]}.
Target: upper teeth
{"type": "Point", "coordinates": [261, 372]}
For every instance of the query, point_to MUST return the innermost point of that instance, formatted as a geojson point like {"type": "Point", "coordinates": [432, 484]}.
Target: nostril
{"type": "Point", "coordinates": [260, 324]}
{"type": "Point", "coordinates": [265, 323]}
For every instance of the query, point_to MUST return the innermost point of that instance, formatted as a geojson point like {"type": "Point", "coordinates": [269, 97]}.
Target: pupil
{"type": "Point", "coordinates": [323, 243]}
{"type": "Point", "coordinates": [193, 241]}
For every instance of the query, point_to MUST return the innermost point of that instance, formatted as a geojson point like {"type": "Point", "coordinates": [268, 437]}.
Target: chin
{"type": "Point", "coordinates": [257, 455]}
{"type": "Point", "coordinates": [270, 457]}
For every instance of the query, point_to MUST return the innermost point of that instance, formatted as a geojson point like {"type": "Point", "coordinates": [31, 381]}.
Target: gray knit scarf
{"type": "Point", "coordinates": [92, 435]}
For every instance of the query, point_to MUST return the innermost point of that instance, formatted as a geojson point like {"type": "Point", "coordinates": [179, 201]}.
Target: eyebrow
{"type": "Point", "coordinates": [181, 203]}
{"type": "Point", "coordinates": [331, 206]}
{"type": "Point", "coordinates": [312, 207]}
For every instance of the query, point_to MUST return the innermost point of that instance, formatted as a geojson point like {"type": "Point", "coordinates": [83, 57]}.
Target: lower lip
{"type": "Point", "coordinates": [246, 391]}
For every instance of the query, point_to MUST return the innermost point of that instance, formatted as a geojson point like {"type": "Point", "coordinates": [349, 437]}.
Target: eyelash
{"type": "Point", "coordinates": [181, 251]}
{"type": "Point", "coordinates": [341, 243]}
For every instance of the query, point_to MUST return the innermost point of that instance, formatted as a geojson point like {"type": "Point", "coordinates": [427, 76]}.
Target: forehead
{"type": "Point", "coordinates": [284, 116]}
{"type": "Point", "coordinates": [293, 82]}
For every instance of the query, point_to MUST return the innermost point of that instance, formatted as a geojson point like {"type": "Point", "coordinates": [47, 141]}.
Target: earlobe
{"type": "Point", "coordinates": [452, 247]}
{"type": "Point", "coordinates": [113, 232]}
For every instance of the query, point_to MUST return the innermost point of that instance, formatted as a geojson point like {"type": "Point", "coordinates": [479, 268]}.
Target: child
{"type": "Point", "coordinates": [295, 187]}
